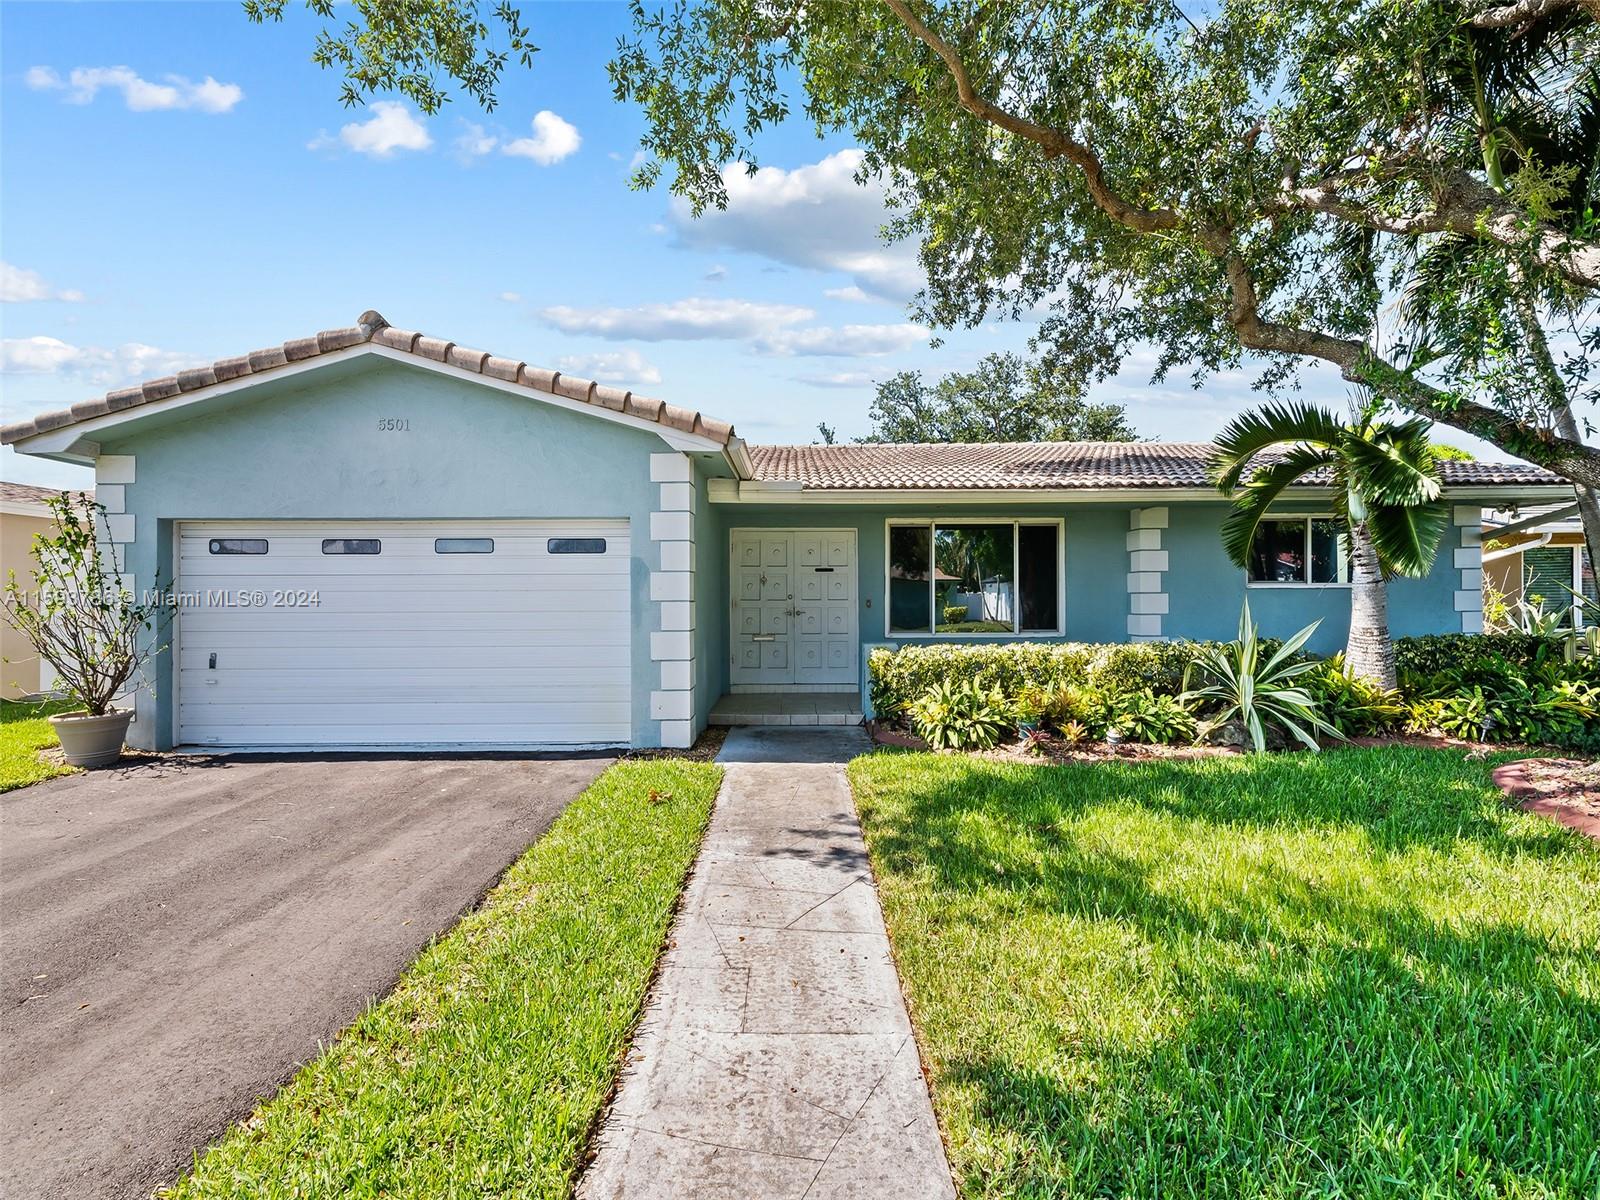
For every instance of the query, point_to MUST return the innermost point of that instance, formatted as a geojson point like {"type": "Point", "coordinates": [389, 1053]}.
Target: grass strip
{"type": "Point", "coordinates": [483, 1071]}
{"type": "Point", "coordinates": [23, 733]}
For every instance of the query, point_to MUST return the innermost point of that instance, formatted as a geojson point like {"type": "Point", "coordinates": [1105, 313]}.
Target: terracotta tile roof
{"type": "Point", "coordinates": [27, 493]}
{"type": "Point", "coordinates": [1025, 465]}
{"type": "Point", "coordinates": [371, 327]}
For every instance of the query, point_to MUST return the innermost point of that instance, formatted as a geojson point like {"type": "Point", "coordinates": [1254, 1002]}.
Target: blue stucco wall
{"type": "Point", "coordinates": [313, 450]}
{"type": "Point", "coordinates": [1206, 590]}
{"type": "Point", "coordinates": [711, 603]}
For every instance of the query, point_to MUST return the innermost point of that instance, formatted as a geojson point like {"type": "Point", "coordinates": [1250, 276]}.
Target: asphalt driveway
{"type": "Point", "coordinates": [179, 935]}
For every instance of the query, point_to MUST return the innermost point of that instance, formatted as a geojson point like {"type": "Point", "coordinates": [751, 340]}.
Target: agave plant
{"type": "Point", "coordinates": [1257, 689]}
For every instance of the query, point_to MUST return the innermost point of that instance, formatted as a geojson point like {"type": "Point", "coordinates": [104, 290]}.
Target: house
{"type": "Point", "coordinates": [380, 538]}
{"type": "Point", "coordinates": [24, 513]}
{"type": "Point", "coordinates": [1539, 551]}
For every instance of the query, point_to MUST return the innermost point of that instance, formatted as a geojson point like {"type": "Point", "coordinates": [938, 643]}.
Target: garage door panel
{"type": "Point", "coordinates": [398, 601]}
{"type": "Point", "coordinates": [380, 687]}
{"type": "Point", "coordinates": [392, 733]}
{"type": "Point", "coordinates": [555, 661]}
{"type": "Point", "coordinates": [515, 647]}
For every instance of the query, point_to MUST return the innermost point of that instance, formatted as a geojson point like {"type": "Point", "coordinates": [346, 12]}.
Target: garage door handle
{"type": "Point", "coordinates": [212, 665]}
{"type": "Point", "coordinates": [763, 637]}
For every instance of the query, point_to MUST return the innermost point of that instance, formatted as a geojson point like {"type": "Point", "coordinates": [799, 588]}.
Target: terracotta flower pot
{"type": "Point", "coordinates": [92, 741]}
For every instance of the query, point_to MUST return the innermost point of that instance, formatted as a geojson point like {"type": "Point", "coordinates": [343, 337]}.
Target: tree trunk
{"type": "Point", "coordinates": [1588, 499]}
{"type": "Point", "coordinates": [1563, 422]}
{"type": "Point", "coordinates": [1369, 654]}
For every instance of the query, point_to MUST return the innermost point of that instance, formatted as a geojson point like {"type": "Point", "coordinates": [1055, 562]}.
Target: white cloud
{"type": "Point", "coordinates": [837, 379]}
{"type": "Point", "coordinates": [852, 294]}
{"type": "Point", "coordinates": [391, 127]}
{"type": "Point", "coordinates": [615, 366]}
{"type": "Point", "coordinates": [716, 275]}
{"type": "Point", "coordinates": [553, 139]}
{"type": "Point", "coordinates": [844, 341]}
{"type": "Point", "coordinates": [100, 365]}
{"type": "Point", "coordinates": [815, 216]}
{"type": "Point", "coordinates": [689, 319]}
{"type": "Point", "coordinates": [18, 284]}
{"type": "Point", "coordinates": [82, 84]}
{"type": "Point", "coordinates": [474, 141]}
{"type": "Point", "coordinates": [511, 297]}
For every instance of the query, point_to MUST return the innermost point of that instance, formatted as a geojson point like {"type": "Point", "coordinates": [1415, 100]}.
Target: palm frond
{"type": "Point", "coordinates": [1407, 536]}
{"type": "Point", "coordinates": [1276, 424]}
{"type": "Point", "coordinates": [1252, 501]}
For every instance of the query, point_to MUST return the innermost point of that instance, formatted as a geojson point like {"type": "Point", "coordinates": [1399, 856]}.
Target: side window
{"type": "Point", "coordinates": [576, 545]}
{"type": "Point", "coordinates": [238, 546]}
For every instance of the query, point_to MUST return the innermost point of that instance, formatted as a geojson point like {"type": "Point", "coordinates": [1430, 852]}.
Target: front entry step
{"type": "Point", "coordinates": [788, 708]}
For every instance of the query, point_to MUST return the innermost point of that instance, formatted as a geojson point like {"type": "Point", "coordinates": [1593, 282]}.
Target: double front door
{"type": "Point", "coordinates": [795, 607]}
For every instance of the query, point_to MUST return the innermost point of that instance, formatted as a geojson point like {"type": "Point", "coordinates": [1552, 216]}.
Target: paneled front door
{"type": "Point", "coordinates": [794, 607]}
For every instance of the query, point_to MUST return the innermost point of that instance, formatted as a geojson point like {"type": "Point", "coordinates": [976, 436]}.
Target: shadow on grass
{"type": "Point", "coordinates": [1339, 978]}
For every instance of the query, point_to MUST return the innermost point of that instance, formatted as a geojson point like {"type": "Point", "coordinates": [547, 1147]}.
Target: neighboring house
{"type": "Point", "coordinates": [380, 538]}
{"type": "Point", "coordinates": [1538, 552]}
{"type": "Point", "coordinates": [24, 512]}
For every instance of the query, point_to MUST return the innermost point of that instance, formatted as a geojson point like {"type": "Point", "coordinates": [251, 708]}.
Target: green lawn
{"type": "Point", "coordinates": [481, 1074]}
{"type": "Point", "coordinates": [23, 733]}
{"type": "Point", "coordinates": [1353, 974]}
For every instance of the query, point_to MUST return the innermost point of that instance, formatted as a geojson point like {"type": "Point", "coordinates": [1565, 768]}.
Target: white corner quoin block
{"type": "Point", "coordinates": [677, 497]}
{"type": "Point", "coordinates": [670, 468]}
{"type": "Point", "coordinates": [113, 468]}
{"type": "Point", "coordinates": [671, 527]}
{"type": "Point", "coordinates": [677, 556]}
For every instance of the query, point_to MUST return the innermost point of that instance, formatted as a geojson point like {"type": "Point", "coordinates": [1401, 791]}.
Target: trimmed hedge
{"type": "Point", "coordinates": [898, 677]}
{"type": "Point", "coordinates": [1436, 653]}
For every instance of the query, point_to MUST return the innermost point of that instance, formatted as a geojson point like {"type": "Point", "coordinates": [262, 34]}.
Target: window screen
{"type": "Point", "coordinates": [351, 546]}
{"type": "Point", "coordinates": [238, 546]}
{"type": "Point", "coordinates": [577, 546]}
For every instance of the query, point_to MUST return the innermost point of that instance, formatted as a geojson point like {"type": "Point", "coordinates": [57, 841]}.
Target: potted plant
{"type": "Point", "coordinates": [81, 620]}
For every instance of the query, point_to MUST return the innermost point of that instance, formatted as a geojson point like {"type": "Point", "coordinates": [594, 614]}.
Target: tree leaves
{"type": "Point", "coordinates": [1003, 399]}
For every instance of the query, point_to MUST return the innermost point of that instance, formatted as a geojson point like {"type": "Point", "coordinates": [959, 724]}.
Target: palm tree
{"type": "Point", "coordinates": [1386, 493]}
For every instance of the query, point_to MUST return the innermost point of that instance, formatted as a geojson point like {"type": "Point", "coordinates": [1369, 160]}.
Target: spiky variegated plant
{"type": "Point", "coordinates": [1385, 490]}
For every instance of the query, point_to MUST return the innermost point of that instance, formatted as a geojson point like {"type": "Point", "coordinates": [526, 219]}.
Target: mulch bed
{"type": "Point", "coordinates": [705, 748]}
{"type": "Point", "coordinates": [1564, 789]}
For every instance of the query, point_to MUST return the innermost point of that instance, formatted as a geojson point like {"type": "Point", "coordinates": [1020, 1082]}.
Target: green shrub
{"type": "Point", "coordinates": [1146, 716]}
{"type": "Point", "coordinates": [1132, 666]}
{"type": "Point", "coordinates": [1434, 653]}
{"type": "Point", "coordinates": [898, 677]}
{"type": "Point", "coordinates": [961, 716]}
{"type": "Point", "coordinates": [1353, 706]}
{"type": "Point", "coordinates": [955, 614]}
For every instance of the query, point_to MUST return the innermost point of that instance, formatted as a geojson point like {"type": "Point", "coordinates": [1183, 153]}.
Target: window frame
{"type": "Point", "coordinates": [1308, 518]}
{"type": "Point", "coordinates": [346, 541]}
{"type": "Point", "coordinates": [462, 539]}
{"type": "Point", "coordinates": [932, 525]}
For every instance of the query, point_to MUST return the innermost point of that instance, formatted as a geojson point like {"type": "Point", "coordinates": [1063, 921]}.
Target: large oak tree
{"type": "Point", "coordinates": [1249, 178]}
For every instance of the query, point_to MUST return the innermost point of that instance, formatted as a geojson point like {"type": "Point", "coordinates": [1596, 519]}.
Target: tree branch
{"type": "Point", "coordinates": [1055, 142]}
{"type": "Point", "coordinates": [1463, 205]}
{"type": "Point", "coordinates": [1358, 363]}
{"type": "Point", "coordinates": [1525, 12]}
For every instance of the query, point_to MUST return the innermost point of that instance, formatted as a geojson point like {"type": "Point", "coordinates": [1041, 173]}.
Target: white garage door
{"type": "Point", "coordinates": [436, 633]}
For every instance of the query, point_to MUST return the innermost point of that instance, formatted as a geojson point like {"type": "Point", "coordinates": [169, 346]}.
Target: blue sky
{"type": "Point", "coordinates": [179, 185]}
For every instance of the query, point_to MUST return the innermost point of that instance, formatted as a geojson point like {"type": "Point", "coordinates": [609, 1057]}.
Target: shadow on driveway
{"type": "Point", "coordinates": [181, 933]}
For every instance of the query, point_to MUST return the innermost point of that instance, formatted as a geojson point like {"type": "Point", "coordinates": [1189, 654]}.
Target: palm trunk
{"type": "Point", "coordinates": [1369, 653]}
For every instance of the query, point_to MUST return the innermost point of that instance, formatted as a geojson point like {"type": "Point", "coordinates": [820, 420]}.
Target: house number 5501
{"type": "Point", "coordinates": [394, 425]}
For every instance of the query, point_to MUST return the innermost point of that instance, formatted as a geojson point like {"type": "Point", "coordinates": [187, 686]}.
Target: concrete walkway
{"type": "Point", "coordinates": [775, 1058]}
